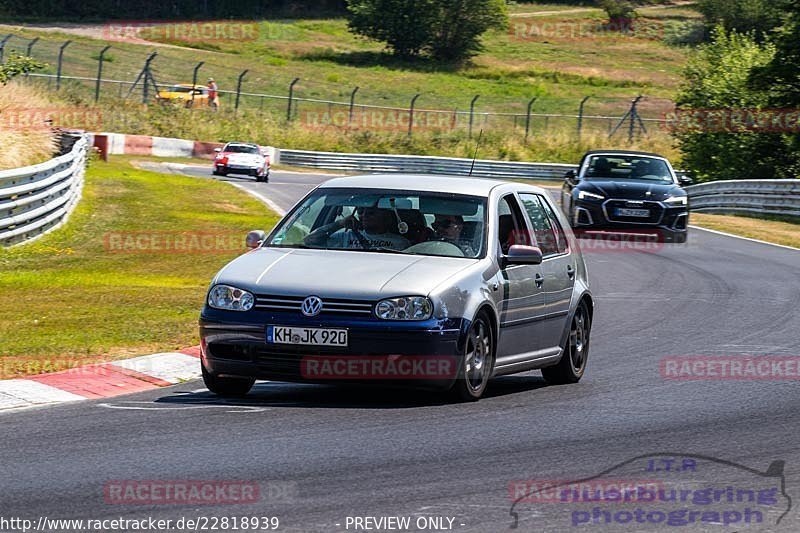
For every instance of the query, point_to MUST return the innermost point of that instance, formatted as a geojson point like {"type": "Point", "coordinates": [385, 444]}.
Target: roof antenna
{"type": "Point", "coordinates": [475, 156]}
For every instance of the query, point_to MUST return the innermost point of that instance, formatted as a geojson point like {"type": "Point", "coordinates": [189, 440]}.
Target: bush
{"type": "Point", "coordinates": [16, 65]}
{"type": "Point", "coordinates": [447, 30]}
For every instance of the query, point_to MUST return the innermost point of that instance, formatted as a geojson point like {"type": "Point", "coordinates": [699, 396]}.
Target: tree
{"type": "Point", "coordinates": [780, 80]}
{"type": "Point", "coordinates": [447, 30]}
{"type": "Point", "coordinates": [404, 25]}
{"type": "Point", "coordinates": [717, 84]}
{"type": "Point", "coordinates": [744, 16]}
{"type": "Point", "coordinates": [460, 24]}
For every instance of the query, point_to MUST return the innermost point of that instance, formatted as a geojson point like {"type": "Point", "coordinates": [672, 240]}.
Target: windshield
{"type": "Point", "coordinates": [241, 149]}
{"type": "Point", "coordinates": [628, 167]}
{"type": "Point", "coordinates": [386, 221]}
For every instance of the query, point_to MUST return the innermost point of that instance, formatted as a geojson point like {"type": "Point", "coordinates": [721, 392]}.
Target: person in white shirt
{"type": "Point", "coordinates": [374, 232]}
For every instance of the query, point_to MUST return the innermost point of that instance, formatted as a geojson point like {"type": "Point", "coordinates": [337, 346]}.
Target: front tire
{"type": "Point", "coordinates": [226, 387]}
{"type": "Point", "coordinates": [478, 363]}
{"type": "Point", "coordinates": [571, 367]}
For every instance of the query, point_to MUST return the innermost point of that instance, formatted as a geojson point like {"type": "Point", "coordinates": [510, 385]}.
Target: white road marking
{"type": "Point", "coordinates": [169, 367]}
{"type": "Point", "coordinates": [744, 238]}
{"type": "Point", "coordinates": [272, 205]}
{"type": "Point", "coordinates": [151, 407]}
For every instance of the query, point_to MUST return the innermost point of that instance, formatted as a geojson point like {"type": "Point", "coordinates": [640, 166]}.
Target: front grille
{"type": "Point", "coordinates": [655, 208]}
{"type": "Point", "coordinates": [329, 306]}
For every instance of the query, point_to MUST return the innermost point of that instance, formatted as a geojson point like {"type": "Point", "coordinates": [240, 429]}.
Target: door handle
{"type": "Point", "coordinates": [539, 280]}
{"type": "Point", "coordinates": [571, 272]}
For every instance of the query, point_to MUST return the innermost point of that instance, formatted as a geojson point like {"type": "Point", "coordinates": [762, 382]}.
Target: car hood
{"type": "Point", "coordinates": [238, 158]}
{"type": "Point", "coordinates": [631, 189]}
{"type": "Point", "coordinates": [339, 274]}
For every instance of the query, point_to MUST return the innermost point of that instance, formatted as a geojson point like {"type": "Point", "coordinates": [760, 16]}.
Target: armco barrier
{"type": "Point", "coordinates": [38, 198]}
{"type": "Point", "coordinates": [424, 165]}
{"type": "Point", "coordinates": [769, 197]}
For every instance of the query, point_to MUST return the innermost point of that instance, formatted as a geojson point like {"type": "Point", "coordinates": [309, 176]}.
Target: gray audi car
{"type": "Point", "coordinates": [429, 281]}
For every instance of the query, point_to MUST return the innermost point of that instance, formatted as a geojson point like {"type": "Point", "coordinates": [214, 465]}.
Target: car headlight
{"type": "Point", "coordinates": [584, 195]}
{"type": "Point", "coordinates": [406, 308]}
{"type": "Point", "coordinates": [677, 200]}
{"type": "Point", "coordinates": [230, 298]}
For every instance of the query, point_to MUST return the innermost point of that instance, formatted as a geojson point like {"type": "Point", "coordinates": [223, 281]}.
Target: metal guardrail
{"type": "Point", "coordinates": [39, 198]}
{"type": "Point", "coordinates": [769, 197]}
{"type": "Point", "coordinates": [424, 165]}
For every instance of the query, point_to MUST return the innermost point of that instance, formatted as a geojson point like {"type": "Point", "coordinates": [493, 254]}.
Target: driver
{"type": "Point", "coordinates": [448, 229]}
{"type": "Point", "coordinates": [374, 232]}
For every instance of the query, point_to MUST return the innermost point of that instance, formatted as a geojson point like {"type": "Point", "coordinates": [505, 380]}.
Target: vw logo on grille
{"type": "Point", "coordinates": [312, 306]}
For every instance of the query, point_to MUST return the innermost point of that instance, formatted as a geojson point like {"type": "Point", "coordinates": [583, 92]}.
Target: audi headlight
{"type": "Point", "coordinates": [407, 308]}
{"type": "Point", "coordinates": [584, 195]}
{"type": "Point", "coordinates": [230, 298]}
{"type": "Point", "coordinates": [677, 200]}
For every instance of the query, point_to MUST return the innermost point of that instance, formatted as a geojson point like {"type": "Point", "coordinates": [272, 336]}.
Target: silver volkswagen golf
{"type": "Point", "coordinates": [429, 281]}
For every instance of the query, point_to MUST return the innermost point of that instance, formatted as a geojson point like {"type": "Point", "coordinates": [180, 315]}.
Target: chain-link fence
{"type": "Point", "coordinates": [120, 72]}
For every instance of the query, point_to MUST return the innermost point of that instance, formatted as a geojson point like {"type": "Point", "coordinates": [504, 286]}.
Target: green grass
{"type": "Point", "coordinates": [778, 230]}
{"type": "Point", "coordinates": [330, 62]}
{"type": "Point", "coordinates": [73, 297]}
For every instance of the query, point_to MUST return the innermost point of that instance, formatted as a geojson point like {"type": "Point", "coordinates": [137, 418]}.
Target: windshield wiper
{"type": "Point", "coordinates": [386, 250]}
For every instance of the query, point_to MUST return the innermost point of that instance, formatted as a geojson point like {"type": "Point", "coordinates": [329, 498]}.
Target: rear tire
{"type": "Point", "coordinates": [478, 362]}
{"type": "Point", "coordinates": [226, 387]}
{"type": "Point", "coordinates": [576, 353]}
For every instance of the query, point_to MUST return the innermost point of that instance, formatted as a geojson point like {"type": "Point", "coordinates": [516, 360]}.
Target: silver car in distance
{"type": "Point", "coordinates": [429, 281]}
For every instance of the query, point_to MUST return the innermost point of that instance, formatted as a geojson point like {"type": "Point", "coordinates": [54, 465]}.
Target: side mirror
{"type": "Point", "coordinates": [255, 238]}
{"type": "Point", "coordinates": [570, 175]}
{"type": "Point", "coordinates": [523, 255]}
{"type": "Point", "coordinates": [685, 180]}
{"type": "Point", "coordinates": [217, 150]}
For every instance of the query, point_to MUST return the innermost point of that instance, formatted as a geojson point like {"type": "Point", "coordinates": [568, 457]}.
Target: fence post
{"type": "Point", "coordinates": [60, 63]}
{"type": "Point", "coordinates": [352, 103]}
{"type": "Point", "coordinates": [30, 46]}
{"type": "Point", "coordinates": [147, 76]}
{"type": "Point", "coordinates": [634, 118]}
{"type": "Point", "coordinates": [580, 116]}
{"type": "Point", "coordinates": [291, 97]}
{"type": "Point", "coordinates": [239, 88]}
{"type": "Point", "coordinates": [194, 79]}
{"type": "Point", "coordinates": [29, 51]}
{"type": "Point", "coordinates": [528, 117]}
{"type": "Point", "coordinates": [100, 72]}
{"type": "Point", "coordinates": [3, 45]}
{"type": "Point", "coordinates": [411, 114]}
{"type": "Point", "coordinates": [472, 113]}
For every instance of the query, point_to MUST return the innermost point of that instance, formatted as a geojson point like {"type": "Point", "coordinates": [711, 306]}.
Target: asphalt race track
{"type": "Point", "coordinates": [322, 454]}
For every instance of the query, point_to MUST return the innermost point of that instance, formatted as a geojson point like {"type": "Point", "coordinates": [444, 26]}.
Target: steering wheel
{"type": "Point", "coordinates": [436, 248]}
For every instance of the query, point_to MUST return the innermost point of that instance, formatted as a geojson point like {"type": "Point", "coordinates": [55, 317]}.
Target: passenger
{"type": "Point", "coordinates": [371, 230]}
{"type": "Point", "coordinates": [448, 229]}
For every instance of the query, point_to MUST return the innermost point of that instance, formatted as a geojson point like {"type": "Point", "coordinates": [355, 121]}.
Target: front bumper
{"type": "Point", "coordinates": [239, 169]}
{"type": "Point", "coordinates": [234, 344]}
{"type": "Point", "coordinates": [666, 223]}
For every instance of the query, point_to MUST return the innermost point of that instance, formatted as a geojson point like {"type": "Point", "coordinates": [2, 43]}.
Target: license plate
{"type": "Point", "coordinates": [306, 336]}
{"type": "Point", "coordinates": [641, 213]}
